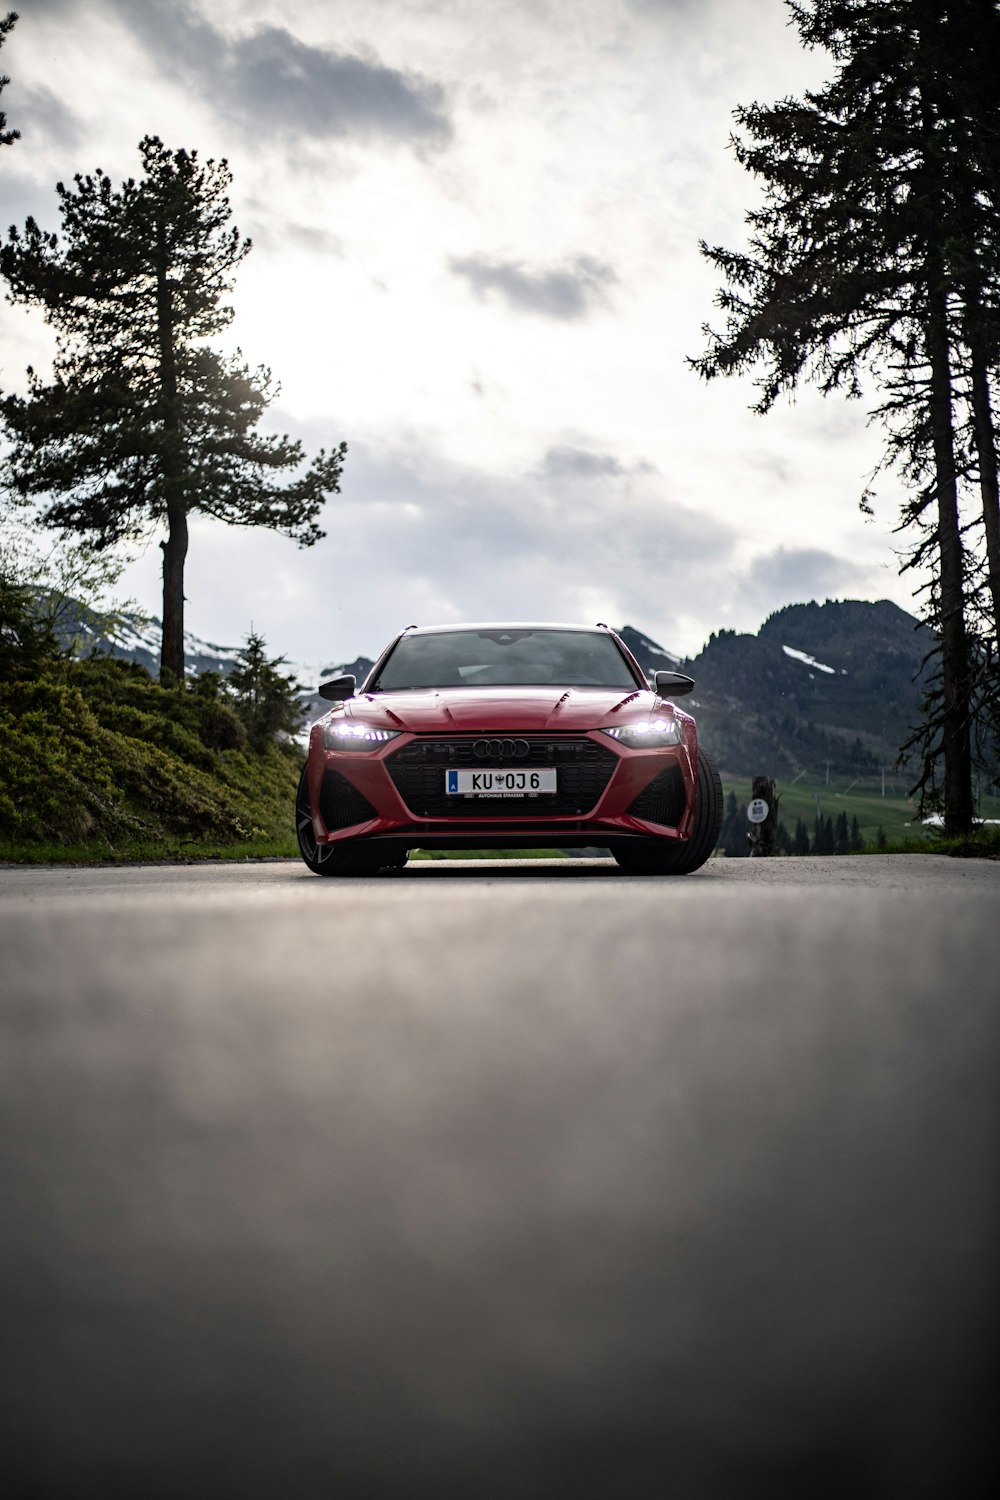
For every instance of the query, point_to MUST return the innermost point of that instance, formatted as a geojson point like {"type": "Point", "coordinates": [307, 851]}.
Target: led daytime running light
{"type": "Point", "coordinates": [347, 734]}
{"type": "Point", "coordinates": [659, 731]}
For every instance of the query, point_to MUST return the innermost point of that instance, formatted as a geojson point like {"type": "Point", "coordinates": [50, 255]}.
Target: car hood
{"type": "Point", "coordinates": [440, 710]}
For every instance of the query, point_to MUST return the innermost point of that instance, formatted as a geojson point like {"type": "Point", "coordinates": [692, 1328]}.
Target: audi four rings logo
{"type": "Point", "coordinates": [500, 749]}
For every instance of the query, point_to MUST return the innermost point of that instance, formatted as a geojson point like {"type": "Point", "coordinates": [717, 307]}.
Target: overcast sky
{"type": "Point", "coordinates": [476, 260]}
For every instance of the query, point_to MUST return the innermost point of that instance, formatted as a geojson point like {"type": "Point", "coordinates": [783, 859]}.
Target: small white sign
{"type": "Point", "coordinates": [758, 810]}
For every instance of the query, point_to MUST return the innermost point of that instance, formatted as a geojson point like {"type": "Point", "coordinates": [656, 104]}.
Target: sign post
{"type": "Point", "coordinates": [762, 815]}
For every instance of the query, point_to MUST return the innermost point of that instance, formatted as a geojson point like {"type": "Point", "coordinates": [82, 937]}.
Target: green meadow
{"type": "Point", "coordinates": [809, 798]}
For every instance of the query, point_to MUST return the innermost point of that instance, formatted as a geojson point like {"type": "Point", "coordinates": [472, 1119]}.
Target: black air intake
{"type": "Point", "coordinates": [341, 804]}
{"type": "Point", "coordinates": [662, 801]}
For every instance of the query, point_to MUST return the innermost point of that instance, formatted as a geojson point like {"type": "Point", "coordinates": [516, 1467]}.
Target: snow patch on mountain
{"type": "Point", "coordinates": [810, 661]}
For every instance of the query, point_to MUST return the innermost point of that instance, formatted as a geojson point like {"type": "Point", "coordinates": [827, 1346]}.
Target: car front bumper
{"type": "Point", "coordinates": [606, 792]}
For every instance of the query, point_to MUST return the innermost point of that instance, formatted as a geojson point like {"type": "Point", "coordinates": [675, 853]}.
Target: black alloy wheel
{"type": "Point", "coordinates": [651, 857]}
{"type": "Point", "coordinates": [335, 859]}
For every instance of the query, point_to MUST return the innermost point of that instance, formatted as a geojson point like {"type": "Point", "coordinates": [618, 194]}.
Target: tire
{"type": "Point", "coordinates": [335, 859]}
{"type": "Point", "coordinates": [651, 857]}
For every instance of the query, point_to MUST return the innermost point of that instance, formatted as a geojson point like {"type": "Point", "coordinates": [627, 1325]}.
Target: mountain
{"type": "Point", "coordinates": [651, 657]}
{"type": "Point", "coordinates": [838, 682]}
{"type": "Point", "coordinates": [835, 683]}
{"type": "Point", "coordinates": [137, 638]}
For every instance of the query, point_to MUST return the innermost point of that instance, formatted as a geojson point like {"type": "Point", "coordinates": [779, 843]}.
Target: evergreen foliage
{"type": "Point", "coordinates": [733, 833]}
{"type": "Point", "coordinates": [7, 23]}
{"type": "Point", "coordinates": [842, 835]}
{"type": "Point", "coordinates": [143, 422]}
{"type": "Point", "coordinates": [876, 253]}
{"type": "Point", "coordinates": [26, 637]}
{"type": "Point", "coordinates": [266, 699]}
{"type": "Point", "coordinates": [96, 755]}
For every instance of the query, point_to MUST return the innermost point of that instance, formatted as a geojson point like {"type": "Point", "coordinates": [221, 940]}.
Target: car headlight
{"type": "Point", "coordinates": [647, 733]}
{"type": "Point", "coordinates": [347, 734]}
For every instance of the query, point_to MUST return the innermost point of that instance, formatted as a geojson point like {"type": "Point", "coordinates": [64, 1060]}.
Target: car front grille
{"type": "Point", "coordinates": [341, 804]}
{"type": "Point", "coordinates": [662, 801]}
{"type": "Point", "coordinates": [583, 770]}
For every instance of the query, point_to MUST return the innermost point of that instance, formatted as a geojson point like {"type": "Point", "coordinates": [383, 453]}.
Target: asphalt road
{"type": "Point", "coordinates": [499, 1181]}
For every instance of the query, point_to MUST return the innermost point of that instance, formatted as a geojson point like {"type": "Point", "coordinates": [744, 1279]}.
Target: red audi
{"type": "Point", "coordinates": [507, 737]}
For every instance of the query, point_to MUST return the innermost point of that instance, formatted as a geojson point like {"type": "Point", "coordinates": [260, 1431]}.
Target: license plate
{"type": "Point", "coordinates": [500, 783]}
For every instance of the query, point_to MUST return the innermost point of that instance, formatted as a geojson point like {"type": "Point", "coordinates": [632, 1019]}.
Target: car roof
{"type": "Point", "coordinates": [480, 625]}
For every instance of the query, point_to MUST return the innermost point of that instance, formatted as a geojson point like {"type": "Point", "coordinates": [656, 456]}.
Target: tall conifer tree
{"type": "Point", "coordinates": [874, 253]}
{"type": "Point", "coordinates": [7, 24]}
{"type": "Point", "coordinates": [143, 422]}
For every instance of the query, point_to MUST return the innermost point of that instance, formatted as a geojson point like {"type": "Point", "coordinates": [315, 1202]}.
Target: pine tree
{"type": "Point", "coordinates": [143, 422]}
{"type": "Point", "coordinates": [856, 841]}
{"type": "Point", "coordinates": [842, 835]}
{"type": "Point", "coordinates": [801, 845]}
{"type": "Point", "coordinates": [732, 835]}
{"type": "Point", "coordinates": [266, 699]}
{"type": "Point", "coordinates": [26, 636]}
{"type": "Point", "coordinates": [7, 24]}
{"type": "Point", "coordinates": [874, 254]}
{"type": "Point", "coordinates": [824, 839]}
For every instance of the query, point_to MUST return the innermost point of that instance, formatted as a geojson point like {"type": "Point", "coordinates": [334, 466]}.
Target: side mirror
{"type": "Point", "coordinates": [338, 688]}
{"type": "Point", "coordinates": [672, 684]}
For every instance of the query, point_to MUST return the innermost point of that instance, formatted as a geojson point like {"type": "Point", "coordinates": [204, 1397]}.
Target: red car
{"type": "Point", "coordinates": [507, 737]}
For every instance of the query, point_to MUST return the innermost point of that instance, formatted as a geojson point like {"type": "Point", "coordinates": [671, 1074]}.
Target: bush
{"type": "Point", "coordinates": [219, 725]}
{"type": "Point", "coordinates": [95, 750]}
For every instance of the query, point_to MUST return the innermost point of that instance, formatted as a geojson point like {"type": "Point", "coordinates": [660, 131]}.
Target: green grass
{"type": "Point", "coordinates": [130, 852]}
{"type": "Point", "coordinates": [895, 815]}
{"type": "Point", "coordinates": [99, 764]}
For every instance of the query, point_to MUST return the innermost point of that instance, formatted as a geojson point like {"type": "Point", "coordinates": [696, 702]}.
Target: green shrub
{"type": "Point", "coordinates": [94, 752]}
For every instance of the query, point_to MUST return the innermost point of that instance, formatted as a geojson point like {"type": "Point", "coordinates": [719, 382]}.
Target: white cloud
{"type": "Point", "coordinates": [524, 434]}
{"type": "Point", "coordinates": [565, 292]}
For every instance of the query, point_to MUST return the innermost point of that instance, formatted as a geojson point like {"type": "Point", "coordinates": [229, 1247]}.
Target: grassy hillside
{"type": "Point", "coordinates": [98, 761]}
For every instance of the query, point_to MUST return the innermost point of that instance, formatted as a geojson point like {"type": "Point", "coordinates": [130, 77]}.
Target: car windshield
{"type": "Point", "coordinates": [505, 658]}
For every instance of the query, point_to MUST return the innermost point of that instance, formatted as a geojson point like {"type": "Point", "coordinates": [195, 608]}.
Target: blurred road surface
{"type": "Point", "coordinates": [499, 1181]}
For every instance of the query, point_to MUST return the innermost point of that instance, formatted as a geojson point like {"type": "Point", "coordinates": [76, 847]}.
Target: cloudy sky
{"type": "Point", "coordinates": [476, 260]}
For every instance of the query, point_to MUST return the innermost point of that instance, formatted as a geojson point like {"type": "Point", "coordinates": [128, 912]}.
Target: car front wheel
{"type": "Point", "coordinates": [652, 857]}
{"type": "Point", "coordinates": [335, 859]}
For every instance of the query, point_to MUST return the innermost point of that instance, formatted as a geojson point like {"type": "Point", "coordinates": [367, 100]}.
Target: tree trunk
{"type": "Point", "coordinates": [930, 17]}
{"type": "Point", "coordinates": [954, 645]}
{"type": "Point", "coordinates": [986, 452]}
{"type": "Point", "coordinates": [172, 641]}
{"type": "Point", "coordinates": [176, 545]}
